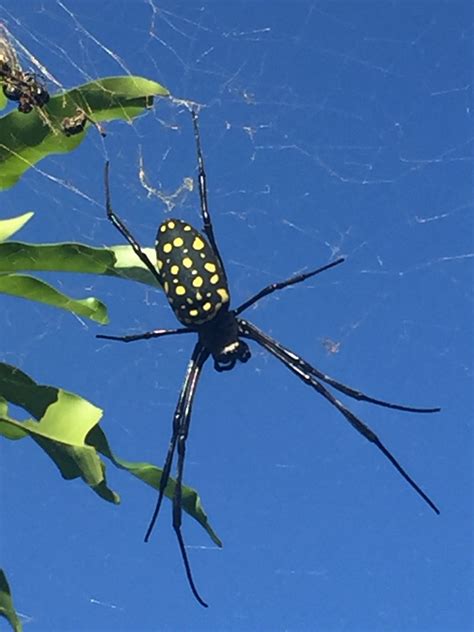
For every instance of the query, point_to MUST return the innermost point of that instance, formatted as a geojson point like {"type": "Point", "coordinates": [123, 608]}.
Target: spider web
{"type": "Point", "coordinates": [328, 129]}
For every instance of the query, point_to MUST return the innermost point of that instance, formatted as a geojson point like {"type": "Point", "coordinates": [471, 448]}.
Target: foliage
{"type": "Point", "coordinates": [64, 424]}
{"type": "Point", "coordinates": [16, 257]}
{"type": "Point", "coordinates": [27, 138]}
{"type": "Point", "coordinates": [6, 604]}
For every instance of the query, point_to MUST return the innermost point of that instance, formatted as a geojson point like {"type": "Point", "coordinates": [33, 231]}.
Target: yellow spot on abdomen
{"type": "Point", "coordinates": [180, 290]}
{"type": "Point", "coordinates": [171, 224]}
{"type": "Point", "coordinates": [178, 242]}
{"type": "Point", "coordinates": [187, 262]}
{"type": "Point", "coordinates": [163, 228]}
{"type": "Point", "coordinates": [198, 243]}
{"type": "Point", "coordinates": [159, 263]}
{"type": "Point", "coordinates": [174, 269]}
{"type": "Point", "coordinates": [187, 228]}
{"type": "Point", "coordinates": [214, 279]}
{"type": "Point", "coordinates": [210, 267]}
{"type": "Point", "coordinates": [223, 293]}
{"type": "Point", "coordinates": [198, 281]}
{"type": "Point", "coordinates": [193, 312]}
{"type": "Point", "coordinates": [207, 306]}
{"type": "Point", "coordinates": [167, 247]}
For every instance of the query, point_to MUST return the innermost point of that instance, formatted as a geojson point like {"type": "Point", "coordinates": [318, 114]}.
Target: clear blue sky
{"type": "Point", "coordinates": [329, 128]}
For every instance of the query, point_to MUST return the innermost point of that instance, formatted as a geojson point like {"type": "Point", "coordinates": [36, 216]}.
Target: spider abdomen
{"type": "Point", "coordinates": [192, 277]}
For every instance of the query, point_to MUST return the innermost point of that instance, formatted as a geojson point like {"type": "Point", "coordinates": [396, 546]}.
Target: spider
{"type": "Point", "coordinates": [189, 267]}
{"type": "Point", "coordinates": [76, 124]}
{"type": "Point", "coordinates": [24, 87]}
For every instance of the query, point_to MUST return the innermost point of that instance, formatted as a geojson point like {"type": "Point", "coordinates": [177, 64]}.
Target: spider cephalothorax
{"type": "Point", "coordinates": [221, 338]}
{"type": "Point", "coordinates": [190, 270]}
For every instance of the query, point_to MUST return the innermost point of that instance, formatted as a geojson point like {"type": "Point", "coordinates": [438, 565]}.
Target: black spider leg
{"type": "Point", "coordinates": [206, 217]}
{"type": "Point", "coordinates": [292, 357]}
{"type": "Point", "coordinates": [181, 423]}
{"type": "Point", "coordinates": [156, 333]}
{"type": "Point", "coordinates": [273, 287]}
{"type": "Point", "coordinates": [120, 226]}
{"type": "Point", "coordinates": [292, 362]}
{"type": "Point", "coordinates": [347, 390]}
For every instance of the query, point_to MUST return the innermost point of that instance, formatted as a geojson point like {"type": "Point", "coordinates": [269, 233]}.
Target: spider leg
{"type": "Point", "coordinates": [120, 226]}
{"type": "Point", "coordinates": [291, 361]}
{"type": "Point", "coordinates": [181, 423]}
{"type": "Point", "coordinates": [156, 333]}
{"type": "Point", "coordinates": [273, 287]}
{"type": "Point", "coordinates": [206, 217]}
{"type": "Point", "coordinates": [343, 388]}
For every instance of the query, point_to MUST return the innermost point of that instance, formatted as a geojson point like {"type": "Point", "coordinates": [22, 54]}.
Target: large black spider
{"type": "Point", "coordinates": [190, 270]}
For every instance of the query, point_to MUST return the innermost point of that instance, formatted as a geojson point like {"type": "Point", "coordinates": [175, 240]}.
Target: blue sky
{"type": "Point", "coordinates": [328, 129]}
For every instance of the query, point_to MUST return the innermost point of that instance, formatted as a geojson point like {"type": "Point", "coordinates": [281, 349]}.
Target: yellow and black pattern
{"type": "Point", "coordinates": [192, 277]}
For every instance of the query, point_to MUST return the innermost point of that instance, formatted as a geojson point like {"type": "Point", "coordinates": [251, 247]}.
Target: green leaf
{"type": "Point", "coordinates": [190, 500]}
{"type": "Point", "coordinates": [66, 427]}
{"type": "Point", "coordinates": [26, 139]}
{"type": "Point", "coordinates": [64, 420]}
{"type": "Point", "coordinates": [6, 428]}
{"type": "Point", "coordinates": [3, 407]}
{"type": "Point", "coordinates": [117, 261]}
{"type": "Point", "coordinates": [151, 475]}
{"type": "Point", "coordinates": [3, 100]}
{"type": "Point", "coordinates": [9, 227]}
{"type": "Point", "coordinates": [7, 609]}
{"type": "Point", "coordinates": [25, 286]}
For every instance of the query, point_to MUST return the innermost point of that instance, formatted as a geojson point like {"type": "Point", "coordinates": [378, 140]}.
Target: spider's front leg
{"type": "Point", "coordinates": [206, 216]}
{"type": "Point", "coordinates": [123, 230]}
{"type": "Point", "coordinates": [155, 333]}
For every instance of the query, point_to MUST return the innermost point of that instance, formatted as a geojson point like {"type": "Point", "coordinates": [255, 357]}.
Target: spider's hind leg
{"type": "Point", "coordinates": [181, 423]}
{"type": "Point", "coordinates": [306, 373]}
